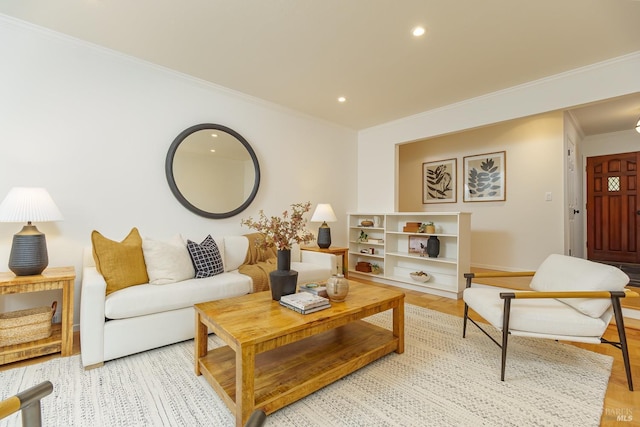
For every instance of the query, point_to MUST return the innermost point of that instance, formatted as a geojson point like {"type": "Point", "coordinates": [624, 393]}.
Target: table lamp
{"type": "Point", "coordinates": [324, 213]}
{"type": "Point", "coordinates": [29, 249]}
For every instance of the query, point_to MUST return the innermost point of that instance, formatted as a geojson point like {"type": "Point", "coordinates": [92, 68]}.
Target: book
{"type": "Point", "coordinates": [304, 300]}
{"type": "Point", "coordinates": [302, 310]}
{"type": "Point", "coordinates": [315, 289]}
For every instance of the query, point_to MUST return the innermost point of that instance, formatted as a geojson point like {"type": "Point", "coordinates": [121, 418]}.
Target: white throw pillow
{"type": "Point", "coordinates": [566, 273]}
{"type": "Point", "coordinates": [167, 261]}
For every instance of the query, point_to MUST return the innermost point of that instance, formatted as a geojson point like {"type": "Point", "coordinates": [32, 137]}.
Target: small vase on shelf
{"type": "Point", "coordinates": [433, 247]}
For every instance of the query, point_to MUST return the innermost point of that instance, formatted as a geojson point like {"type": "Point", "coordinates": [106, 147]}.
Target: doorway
{"type": "Point", "coordinates": [613, 209]}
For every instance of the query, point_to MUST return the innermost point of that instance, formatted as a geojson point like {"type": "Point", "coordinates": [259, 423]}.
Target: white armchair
{"type": "Point", "coordinates": [572, 299]}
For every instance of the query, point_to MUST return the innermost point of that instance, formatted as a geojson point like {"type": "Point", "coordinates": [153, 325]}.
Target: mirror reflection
{"type": "Point", "coordinates": [213, 171]}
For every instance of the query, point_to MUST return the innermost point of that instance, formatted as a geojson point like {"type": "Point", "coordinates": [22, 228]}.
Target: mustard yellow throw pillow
{"type": "Point", "coordinates": [120, 263]}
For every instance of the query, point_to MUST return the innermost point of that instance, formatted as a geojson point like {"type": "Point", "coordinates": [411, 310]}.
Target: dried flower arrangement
{"type": "Point", "coordinates": [282, 232]}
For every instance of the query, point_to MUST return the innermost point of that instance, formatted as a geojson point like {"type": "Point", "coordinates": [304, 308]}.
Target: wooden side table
{"type": "Point", "coordinates": [335, 250]}
{"type": "Point", "coordinates": [61, 339]}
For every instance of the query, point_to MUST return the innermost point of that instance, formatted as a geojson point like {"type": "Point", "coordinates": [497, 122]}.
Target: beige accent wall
{"type": "Point", "coordinates": [517, 233]}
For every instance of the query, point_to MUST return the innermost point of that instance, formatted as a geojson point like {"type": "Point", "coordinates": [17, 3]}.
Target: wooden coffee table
{"type": "Point", "coordinates": [275, 356]}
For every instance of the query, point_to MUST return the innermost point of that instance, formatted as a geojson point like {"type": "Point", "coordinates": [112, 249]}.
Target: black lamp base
{"type": "Point", "coordinates": [29, 252]}
{"type": "Point", "coordinates": [324, 236]}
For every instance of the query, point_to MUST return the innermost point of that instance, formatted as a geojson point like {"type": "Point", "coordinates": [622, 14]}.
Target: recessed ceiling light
{"type": "Point", "coordinates": [418, 31]}
{"type": "Point", "coordinates": [214, 135]}
{"type": "Point", "coordinates": [342, 99]}
{"type": "Point", "coordinates": [212, 150]}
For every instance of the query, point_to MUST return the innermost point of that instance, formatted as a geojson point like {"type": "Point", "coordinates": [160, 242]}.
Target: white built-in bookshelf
{"type": "Point", "coordinates": [387, 246]}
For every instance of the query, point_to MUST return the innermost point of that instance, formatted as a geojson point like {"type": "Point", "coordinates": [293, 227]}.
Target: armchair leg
{"type": "Point", "coordinates": [468, 277]}
{"type": "Point", "coordinates": [505, 334]}
{"type": "Point", "coordinates": [623, 339]}
{"type": "Point", "coordinates": [464, 321]}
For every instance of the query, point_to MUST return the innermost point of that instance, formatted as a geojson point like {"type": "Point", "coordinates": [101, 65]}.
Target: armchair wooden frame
{"type": "Point", "coordinates": [509, 296]}
{"type": "Point", "coordinates": [27, 401]}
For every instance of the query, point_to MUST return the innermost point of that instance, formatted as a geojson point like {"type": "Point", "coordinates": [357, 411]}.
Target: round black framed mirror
{"type": "Point", "coordinates": [212, 171]}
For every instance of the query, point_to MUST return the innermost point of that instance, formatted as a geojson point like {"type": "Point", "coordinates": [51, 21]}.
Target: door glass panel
{"type": "Point", "coordinates": [613, 183]}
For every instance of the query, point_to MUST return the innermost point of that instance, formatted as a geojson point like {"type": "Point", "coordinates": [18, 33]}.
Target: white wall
{"type": "Point", "coordinates": [377, 151]}
{"type": "Point", "coordinates": [376, 145]}
{"type": "Point", "coordinates": [610, 143]}
{"type": "Point", "coordinates": [534, 166]}
{"type": "Point", "coordinates": [94, 127]}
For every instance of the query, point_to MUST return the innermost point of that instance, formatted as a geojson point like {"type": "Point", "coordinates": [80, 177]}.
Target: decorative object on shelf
{"type": "Point", "coordinates": [374, 240]}
{"type": "Point", "coordinates": [420, 276]}
{"type": "Point", "coordinates": [412, 227]}
{"type": "Point", "coordinates": [337, 288]}
{"type": "Point", "coordinates": [439, 181]}
{"type": "Point", "coordinates": [324, 213]}
{"type": "Point", "coordinates": [485, 177]}
{"type": "Point", "coordinates": [31, 324]}
{"type": "Point", "coordinates": [29, 249]}
{"type": "Point", "coordinates": [433, 247]}
{"type": "Point", "coordinates": [417, 244]}
{"type": "Point", "coordinates": [366, 223]}
{"type": "Point", "coordinates": [429, 228]}
{"type": "Point", "coordinates": [376, 269]}
{"type": "Point", "coordinates": [363, 267]}
{"type": "Point", "coordinates": [363, 237]}
{"type": "Point", "coordinates": [282, 233]}
{"type": "Point", "coordinates": [376, 221]}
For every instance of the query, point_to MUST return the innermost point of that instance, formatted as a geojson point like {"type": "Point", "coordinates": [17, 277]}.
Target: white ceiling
{"type": "Point", "coordinates": [303, 54]}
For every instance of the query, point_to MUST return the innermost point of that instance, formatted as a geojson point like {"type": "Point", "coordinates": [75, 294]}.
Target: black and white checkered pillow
{"type": "Point", "coordinates": [205, 257]}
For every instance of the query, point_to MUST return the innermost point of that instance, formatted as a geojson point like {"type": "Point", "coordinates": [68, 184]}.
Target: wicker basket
{"type": "Point", "coordinates": [26, 325]}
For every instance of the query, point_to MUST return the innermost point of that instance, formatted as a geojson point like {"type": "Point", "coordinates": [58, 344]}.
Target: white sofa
{"type": "Point", "coordinates": [142, 317]}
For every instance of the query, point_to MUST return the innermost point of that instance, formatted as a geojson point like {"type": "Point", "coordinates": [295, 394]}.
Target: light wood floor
{"type": "Point", "coordinates": [618, 398]}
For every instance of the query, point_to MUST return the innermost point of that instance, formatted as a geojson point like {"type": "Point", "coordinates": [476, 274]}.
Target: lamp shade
{"type": "Point", "coordinates": [29, 204]}
{"type": "Point", "coordinates": [638, 126]}
{"type": "Point", "coordinates": [324, 213]}
{"type": "Point", "coordinates": [29, 249]}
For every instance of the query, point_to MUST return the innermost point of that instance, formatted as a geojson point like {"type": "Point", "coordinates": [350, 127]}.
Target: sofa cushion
{"type": "Point", "coordinates": [206, 258]}
{"type": "Point", "coordinates": [167, 261]}
{"type": "Point", "coordinates": [566, 273]}
{"type": "Point", "coordinates": [120, 263]}
{"type": "Point", "coordinates": [235, 252]}
{"type": "Point", "coordinates": [148, 299]}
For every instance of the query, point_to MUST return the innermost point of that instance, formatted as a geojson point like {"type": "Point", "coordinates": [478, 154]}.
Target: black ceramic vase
{"type": "Point", "coordinates": [433, 247]}
{"type": "Point", "coordinates": [283, 281]}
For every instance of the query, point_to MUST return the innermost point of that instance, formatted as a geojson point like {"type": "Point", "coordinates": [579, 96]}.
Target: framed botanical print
{"type": "Point", "coordinates": [439, 183]}
{"type": "Point", "coordinates": [485, 177]}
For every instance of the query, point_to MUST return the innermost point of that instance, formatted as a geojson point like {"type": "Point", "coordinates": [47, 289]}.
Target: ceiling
{"type": "Point", "coordinates": [304, 54]}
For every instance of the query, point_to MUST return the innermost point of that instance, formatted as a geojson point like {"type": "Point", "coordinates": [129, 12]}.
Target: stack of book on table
{"type": "Point", "coordinates": [315, 289]}
{"type": "Point", "coordinates": [304, 302]}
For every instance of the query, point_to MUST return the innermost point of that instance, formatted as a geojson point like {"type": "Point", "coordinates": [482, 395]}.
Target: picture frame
{"type": "Point", "coordinates": [485, 177]}
{"type": "Point", "coordinates": [414, 244]}
{"type": "Point", "coordinates": [439, 181]}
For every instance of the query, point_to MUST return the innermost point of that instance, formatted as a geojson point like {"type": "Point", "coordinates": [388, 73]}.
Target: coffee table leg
{"type": "Point", "coordinates": [201, 346]}
{"type": "Point", "coordinates": [398, 326]}
{"type": "Point", "coordinates": [245, 368]}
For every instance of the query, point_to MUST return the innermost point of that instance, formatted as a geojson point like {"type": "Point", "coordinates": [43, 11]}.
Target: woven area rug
{"type": "Point", "coordinates": [440, 380]}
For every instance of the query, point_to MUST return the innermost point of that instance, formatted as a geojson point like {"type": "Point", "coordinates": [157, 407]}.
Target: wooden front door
{"type": "Point", "coordinates": [613, 208]}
